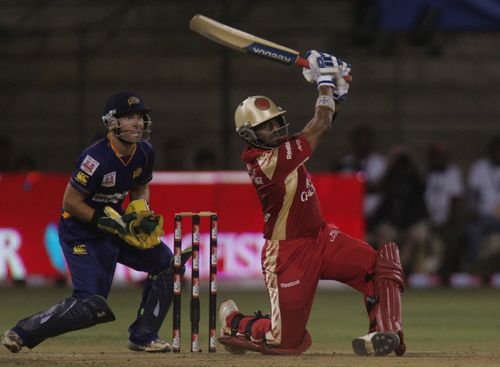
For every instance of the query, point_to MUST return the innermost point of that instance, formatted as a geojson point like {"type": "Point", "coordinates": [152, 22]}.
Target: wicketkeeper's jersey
{"type": "Point", "coordinates": [105, 178]}
{"type": "Point", "coordinates": [289, 202]}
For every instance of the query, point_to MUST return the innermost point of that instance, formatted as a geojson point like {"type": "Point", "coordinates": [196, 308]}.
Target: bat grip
{"type": "Point", "coordinates": [302, 62]}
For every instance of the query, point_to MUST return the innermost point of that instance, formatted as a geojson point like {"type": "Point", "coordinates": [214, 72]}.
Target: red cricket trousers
{"type": "Point", "coordinates": [292, 270]}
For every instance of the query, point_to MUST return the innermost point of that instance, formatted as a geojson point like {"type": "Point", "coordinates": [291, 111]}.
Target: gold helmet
{"type": "Point", "coordinates": [255, 111]}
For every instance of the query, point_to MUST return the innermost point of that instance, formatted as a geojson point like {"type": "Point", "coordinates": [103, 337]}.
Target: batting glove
{"type": "Point", "coordinates": [322, 68]}
{"type": "Point", "coordinates": [341, 80]}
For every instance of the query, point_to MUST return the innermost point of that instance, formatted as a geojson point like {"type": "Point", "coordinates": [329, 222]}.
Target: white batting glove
{"type": "Point", "coordinates": [340, 90]}
{"type": "Point", "coordinates": [323, 68]}
{"type": "Point", "coordinates": [341, 85]}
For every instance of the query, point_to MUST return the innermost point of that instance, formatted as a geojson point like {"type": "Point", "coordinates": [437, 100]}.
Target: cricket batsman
{"type": "Point", "coordinates": [301, 248]}
{"type": "Point", "coordinates": [95, 233]}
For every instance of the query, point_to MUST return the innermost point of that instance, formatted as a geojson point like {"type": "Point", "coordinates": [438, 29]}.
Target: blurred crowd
{"type": "Point", "coordinates": [445, 220]}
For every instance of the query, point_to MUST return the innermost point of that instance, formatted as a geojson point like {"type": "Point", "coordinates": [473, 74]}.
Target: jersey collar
{"type": "Point", "coordinates": [125, 160]}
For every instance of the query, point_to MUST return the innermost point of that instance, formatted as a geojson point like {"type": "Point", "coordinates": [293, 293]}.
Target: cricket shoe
{"type": "Point", "coordinates": [12, 341]}
{"type": "Point", "coordinates": [401, 349]}
{"type": "Point", "coordinates": [376, 343]}
{"type": "Point", "coordinates": [155, 346]}
{"type": "Point", "coordinates": [227, 309]}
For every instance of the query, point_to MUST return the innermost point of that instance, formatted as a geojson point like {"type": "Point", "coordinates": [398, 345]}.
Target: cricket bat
{"type": "Point", "coordinates": [245, 42]}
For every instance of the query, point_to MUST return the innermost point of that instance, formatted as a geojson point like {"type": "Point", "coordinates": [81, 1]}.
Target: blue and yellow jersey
{"type": "Point", "coordinates": [105, 177]}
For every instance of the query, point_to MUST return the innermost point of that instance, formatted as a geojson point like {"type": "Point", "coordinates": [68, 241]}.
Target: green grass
{"type": "Point", "coordinates": [443, 327]}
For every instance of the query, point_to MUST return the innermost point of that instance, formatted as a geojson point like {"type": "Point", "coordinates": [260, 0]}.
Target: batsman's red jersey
{"type": "Point", "coordinates": [289, 202]}
{"type": "Point", "coordinates": [301, 248]}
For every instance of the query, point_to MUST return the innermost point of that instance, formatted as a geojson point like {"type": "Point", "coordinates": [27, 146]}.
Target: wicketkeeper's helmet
{"type": "Point", "coordinates": [122, 104]}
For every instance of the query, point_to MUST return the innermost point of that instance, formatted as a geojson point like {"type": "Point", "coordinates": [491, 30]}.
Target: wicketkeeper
{"type": "Point", "coordinates": [95, 233]}
{"type": "Point", "coordinates": [301, 248]}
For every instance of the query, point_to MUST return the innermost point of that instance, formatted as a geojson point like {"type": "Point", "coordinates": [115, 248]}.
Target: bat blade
{"type": "Point", "coordinates": [245, 42]}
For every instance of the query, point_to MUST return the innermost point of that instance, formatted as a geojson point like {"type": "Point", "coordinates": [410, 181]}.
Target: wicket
{"type": "Point", "coordinates": [195, 282]}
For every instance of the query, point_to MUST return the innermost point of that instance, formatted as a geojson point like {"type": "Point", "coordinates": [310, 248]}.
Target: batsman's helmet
{"type": "Point", "coordinates": [257, 110]}
{"type": "Point", "coordinates": [122, 104]}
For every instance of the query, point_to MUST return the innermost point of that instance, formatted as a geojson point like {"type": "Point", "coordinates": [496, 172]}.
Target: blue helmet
{"type": "Point", "coordinates": [121, 104]}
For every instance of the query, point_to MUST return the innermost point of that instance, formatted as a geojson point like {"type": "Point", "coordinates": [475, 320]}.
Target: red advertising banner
{"type": "Point", "coordinates": [31, 206]}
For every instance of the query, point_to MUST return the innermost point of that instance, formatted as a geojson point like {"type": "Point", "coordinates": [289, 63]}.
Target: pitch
{"type": "Point", "coordinates": [443, 328]}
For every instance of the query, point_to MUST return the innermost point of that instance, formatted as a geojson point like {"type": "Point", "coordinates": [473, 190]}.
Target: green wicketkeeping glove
{"type": "Point", "coordinates": [148, 225]}
{"type": "Point", "coordinates": [141, 230]}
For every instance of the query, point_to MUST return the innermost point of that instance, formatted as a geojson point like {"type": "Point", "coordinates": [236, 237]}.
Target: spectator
{"type": "Point", "coordinates": [444, 196]}
{"type": "Point", "coordinates": [365, 161]}
{"type": "Point", "coordinates": [402, 215]}
{"type": "Point", "coordinates": [484, 203]}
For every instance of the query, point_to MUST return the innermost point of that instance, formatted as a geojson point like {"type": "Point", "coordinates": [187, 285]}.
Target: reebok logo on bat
{"type": "Point", "coordinates": [271, 53]}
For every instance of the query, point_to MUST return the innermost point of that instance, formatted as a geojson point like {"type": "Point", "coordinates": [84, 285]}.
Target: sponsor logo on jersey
{"type": "Point", "coordinates": [290, 284]}
{"type": "Point", "coordinates": [299, 144]}
{"type": "Point", "coordinates": [80, 250]}
{"type": "Point", "coordinates": [333, 234]}
{"type": "Point", "coordinates": [310, 191]}
{"type": "Point", "coordinates": [288, 148]}
{"type": "Point", "coordinates": [137, 172]}
{"type": "Point", "coordinates": [89, 165]}
{"type": "Point", "coordinates": [109, 179]}
{"type": "Point", "coordinates": [82, 178]}
{"type": "Point", "coordinates": [113, 198]}
{"type": "Point", "coordinates": [257, 180]}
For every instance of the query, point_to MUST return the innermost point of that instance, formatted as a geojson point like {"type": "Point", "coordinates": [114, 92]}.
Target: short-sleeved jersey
{"type": "Point", "coordinates": [484, 182]}
{"type": "Point", "coordinates": [442, 187]}
{"type": "Point", "coordinates": [105, 178]}
{"type": "Point", "coordinates": [288, 198]}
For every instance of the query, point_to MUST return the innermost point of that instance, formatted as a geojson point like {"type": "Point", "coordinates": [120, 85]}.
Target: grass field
{"type": "Point", "coordinates": [443, 327]}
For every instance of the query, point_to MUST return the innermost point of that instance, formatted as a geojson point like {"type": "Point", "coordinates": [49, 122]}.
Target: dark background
{"type": "Point", "coordinates": [423, 70]}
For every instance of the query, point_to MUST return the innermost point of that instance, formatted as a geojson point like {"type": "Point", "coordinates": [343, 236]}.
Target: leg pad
{"type": "Point", "coordinates": [385, 311]}
{"type": "Point", "coordinates": [68, 315]}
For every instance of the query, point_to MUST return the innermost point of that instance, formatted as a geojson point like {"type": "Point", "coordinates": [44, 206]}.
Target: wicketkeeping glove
{"type": "Point", "coordinates": [139, 228]}
{"type": "Point", "coordinates": [148, 223]}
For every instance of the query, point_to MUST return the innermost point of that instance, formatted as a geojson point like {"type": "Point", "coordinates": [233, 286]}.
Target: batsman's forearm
{"type": "Point", "coordinates": [326, 114]}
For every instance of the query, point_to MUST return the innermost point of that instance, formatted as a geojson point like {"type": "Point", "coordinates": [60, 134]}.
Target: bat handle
{"type": "Point", "coordinates": [302, 62]}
